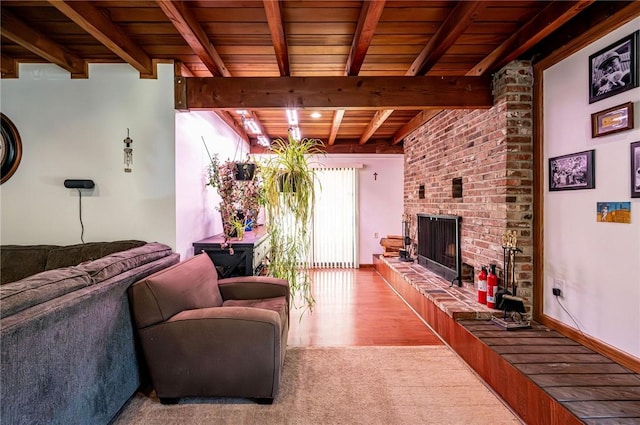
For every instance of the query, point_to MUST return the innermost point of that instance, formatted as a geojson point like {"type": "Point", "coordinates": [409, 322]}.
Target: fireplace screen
{"type": "Point", "coordinates": [439, 245]}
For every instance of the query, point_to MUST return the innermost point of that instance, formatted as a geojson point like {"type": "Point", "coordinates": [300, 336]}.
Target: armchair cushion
{"type": "Point", "coordinates": [188, 285]}
{"type": "Point", "coordinates": [253, 287]}
{"type": "Point", "coordinates": [277, 304]}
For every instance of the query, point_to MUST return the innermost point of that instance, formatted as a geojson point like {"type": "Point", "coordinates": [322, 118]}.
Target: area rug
{"type": "Point", "coordinates": [347, 386]}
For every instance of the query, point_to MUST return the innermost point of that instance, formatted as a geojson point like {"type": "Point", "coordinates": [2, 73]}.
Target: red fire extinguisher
{"type": "Point", "coordinates": [482, 286]}
{"type": "Point", "coordinates": [492, 286]}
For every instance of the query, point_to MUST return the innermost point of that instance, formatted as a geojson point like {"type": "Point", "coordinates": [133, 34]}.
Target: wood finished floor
{"type": "Point", "coordinates": [356, 307]}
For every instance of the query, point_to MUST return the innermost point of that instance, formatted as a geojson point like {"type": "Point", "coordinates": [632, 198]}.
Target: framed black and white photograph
{"type": "Point", "coordinates": [635, 169]}
{"type": "Point", "coordinates": [614, 69]}
{"type": "Point", "coordinates": [572, 172]}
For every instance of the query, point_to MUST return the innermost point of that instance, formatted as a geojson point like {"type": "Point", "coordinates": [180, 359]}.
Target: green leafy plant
{"type": "Point", "coordinates": [289, 197]}
{"type": "Point", "coordinates": [239, 225]}
{"type": "Point", "coordinates": [240, 199]}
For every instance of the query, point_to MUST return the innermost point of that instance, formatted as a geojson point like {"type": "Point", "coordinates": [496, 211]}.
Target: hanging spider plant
{"type": "Point", "coordinates": [289, 198]}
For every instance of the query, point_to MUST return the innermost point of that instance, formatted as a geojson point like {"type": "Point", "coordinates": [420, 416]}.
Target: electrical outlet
{"type": "Point", "coordinates": [557, 292]}
{"type": "Point", "coordinates": [375, 235]}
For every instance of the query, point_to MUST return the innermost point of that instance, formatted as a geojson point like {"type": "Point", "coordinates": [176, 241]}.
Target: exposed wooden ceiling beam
{"type": "Point", "coordinates": [335, 92]}
{"type": "Point", "coordinates": [597, 20]}
{"type": "Point", "coordinates": [92, 20]}
{"type": "Point", "coordinates": [191, 31]}
{"type": "Point", "coordinates": [276, 27]}
{"type": "Point", "coordinates": [335, 126]}
{"type": "Point", "coordinates": [367, 23]}
{"type": "Point", "coordinates": [181, 70]}
{"type": "Point", "coordinates": [415, 123]}
{"type": "Point", "coordinates": [453, 26]}
{"type": "Point", "coordinates": [17, 31]}
{"type": "Point", "coordinates": [378, 119]}
{"type": "Point", "coordinates": [346, 146]}
{"type": "Point", "coordinates": [544, 23]}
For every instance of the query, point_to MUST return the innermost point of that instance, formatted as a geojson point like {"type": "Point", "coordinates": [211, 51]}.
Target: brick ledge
{"type": "Point", "coordinates": [457, 302]}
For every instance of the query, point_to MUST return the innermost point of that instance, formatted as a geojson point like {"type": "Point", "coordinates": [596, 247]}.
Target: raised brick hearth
{"type": "Point", "coordinates": [545, 377]}
{"type": "Point", "coordinates": [457, 302]}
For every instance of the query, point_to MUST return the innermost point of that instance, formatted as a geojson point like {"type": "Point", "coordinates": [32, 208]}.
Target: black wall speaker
{"type": "Point", "coordinates": [79, 184]}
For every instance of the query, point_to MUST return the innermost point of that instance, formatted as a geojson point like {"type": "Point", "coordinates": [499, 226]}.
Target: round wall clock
{"type": "Point", "coordinates": [10, 149]}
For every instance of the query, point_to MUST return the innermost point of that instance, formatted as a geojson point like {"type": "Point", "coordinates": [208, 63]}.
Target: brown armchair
{"type": "Point", "coordinates": [207, 337]}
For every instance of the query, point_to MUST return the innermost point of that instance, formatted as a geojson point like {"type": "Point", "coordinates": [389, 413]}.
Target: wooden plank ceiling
{"type": "Point", "coordinates": [314, 39]}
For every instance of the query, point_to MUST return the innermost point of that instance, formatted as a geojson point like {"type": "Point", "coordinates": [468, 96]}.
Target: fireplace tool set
{"type": "Point", "coordinates": [404, 254]}
{"type": "Point", "coordinates": [507, 298]}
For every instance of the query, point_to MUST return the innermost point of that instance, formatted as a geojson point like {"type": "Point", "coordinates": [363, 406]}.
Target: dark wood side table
{"type": "Point", "coordinates": [242, 257]}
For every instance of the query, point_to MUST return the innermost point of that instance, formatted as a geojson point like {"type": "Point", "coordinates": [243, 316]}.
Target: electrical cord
{"type": "Point", "coordinates": [570, 315]}
{"type": "Point", "coordinates": [80, 213]}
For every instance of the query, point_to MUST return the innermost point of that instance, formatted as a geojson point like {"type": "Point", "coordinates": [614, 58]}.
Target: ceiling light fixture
{"type": "Point", "coordinates": [252, 126]}
{"type": "Point", "coordinates": [316, 115]}
{"type": "Point", "coordinates": [292, 116]}
{"type": "Point", "coordinates": [263, 140]}
{"type": "Point", "coordinates": [295, 133]}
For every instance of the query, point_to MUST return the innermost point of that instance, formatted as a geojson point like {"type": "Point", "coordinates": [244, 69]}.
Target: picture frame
{"type": "Point", "coordinates": [614, 69]}
{"type": "Point", "coordinates": [10, 148]}
{"type": "Point", "coordinates": [612, 120]}
{"type": "Point", "coordinates": [635, 169]}
{"type": "Point", "coordinates": [573, 171]}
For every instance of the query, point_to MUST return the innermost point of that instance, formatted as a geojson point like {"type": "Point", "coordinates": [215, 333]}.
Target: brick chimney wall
{"type": "Point", "coordinates": [492, 152]}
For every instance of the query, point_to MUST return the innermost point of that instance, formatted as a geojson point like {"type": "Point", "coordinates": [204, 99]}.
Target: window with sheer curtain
{"type": "Point", "coordinates": [335, 226]}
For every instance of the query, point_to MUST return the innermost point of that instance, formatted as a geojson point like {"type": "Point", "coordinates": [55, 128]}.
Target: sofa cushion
{"type": "Point", "coordinates": [277, 304]}
{"type": "Point", "coordinates": [20, 261]}
{"type": "Point", "coordinates": [72, 255]}
{"type": "Point", "coordinates": [111, 265]}
{"type": "Point", "coordinates": [39, 288]}
{"type": "Point", "coordinates": [188, 285]}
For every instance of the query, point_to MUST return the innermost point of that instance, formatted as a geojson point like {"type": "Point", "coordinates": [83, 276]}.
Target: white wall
{"type": "Point", "coordinates": [197, 216]}
{"type": "Point", "coordinates": [599, 262]}
{"type": "Point", "coordinates": [75, 129]}
{"type": "Point", "coordinates": [380, 203]}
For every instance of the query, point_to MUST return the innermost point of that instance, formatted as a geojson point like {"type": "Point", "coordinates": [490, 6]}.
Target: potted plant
{"type": "Point", "coordinates": [289, 212]}
{"type": "Point", "coordinates": [245, 170]}
{"type": "Point", "coordinates": [240, 199]}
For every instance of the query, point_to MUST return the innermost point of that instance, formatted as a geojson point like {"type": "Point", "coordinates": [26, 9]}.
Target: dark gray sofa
{"type": "Point", "coordinates": [66, 336]}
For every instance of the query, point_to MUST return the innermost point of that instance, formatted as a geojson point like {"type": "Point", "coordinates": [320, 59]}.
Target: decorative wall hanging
{"type": "Point", "coordinates": [613, 212]}
{"type": "Point", "coordinates": [10, 149]}
{"type": "Point", "coordinates": [612, 120]}
{"type": "Point", "coordinates": [573, 171]}
{"type": "Point", "coordinates": [128, 153]}
{"type": "Point", "coordinates": [614, 69]}
{"type": "Point", "coordinates": [635, 169]}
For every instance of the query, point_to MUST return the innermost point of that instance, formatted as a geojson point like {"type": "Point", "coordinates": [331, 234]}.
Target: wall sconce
{"type": "Point", "coordinates": [128, 153]}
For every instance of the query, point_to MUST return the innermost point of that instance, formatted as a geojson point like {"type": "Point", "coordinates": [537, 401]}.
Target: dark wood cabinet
{"type": "Point", "coordinates": [244, 257]}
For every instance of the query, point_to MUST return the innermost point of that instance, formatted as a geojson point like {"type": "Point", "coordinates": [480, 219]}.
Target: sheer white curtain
{"type": "Point", "coordinates": [335, 226]}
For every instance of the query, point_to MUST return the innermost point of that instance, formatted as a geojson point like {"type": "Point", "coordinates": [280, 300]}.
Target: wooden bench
{"type": "Point", "coordinates": [545, 377]}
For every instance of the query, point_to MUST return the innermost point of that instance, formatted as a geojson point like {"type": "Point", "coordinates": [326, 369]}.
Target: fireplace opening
{"type": "Point", "coordinates": [439, 245]}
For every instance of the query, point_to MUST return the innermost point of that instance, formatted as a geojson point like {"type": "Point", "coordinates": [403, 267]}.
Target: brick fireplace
{"type": "Point", "coordinates": [478, 164]}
